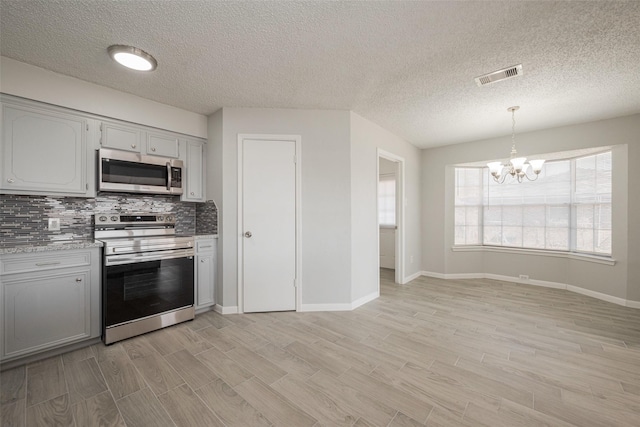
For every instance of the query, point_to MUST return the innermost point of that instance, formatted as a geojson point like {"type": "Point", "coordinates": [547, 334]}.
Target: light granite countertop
{"type": "Point", "coordinates": [205, 236]}
{"type": "Point", "coordinates": [26, 247]}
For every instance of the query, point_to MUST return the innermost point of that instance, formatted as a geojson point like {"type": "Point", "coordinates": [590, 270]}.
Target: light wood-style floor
{"type": "Point", "coordinates": [433, 352]}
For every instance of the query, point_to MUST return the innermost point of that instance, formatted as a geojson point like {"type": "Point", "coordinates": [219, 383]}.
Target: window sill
{"type": "Point", "coordinates": [539, 252]}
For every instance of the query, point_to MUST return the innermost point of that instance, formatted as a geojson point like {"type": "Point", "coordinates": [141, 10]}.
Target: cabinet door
{"type": "Point", "coordinates": [120, 137]}
{"type": "Point", "coordinates": [195, 176]}
{"type": "Point", "coordinates": [43, 151]}
{"type": "Point", "coordinates": [44, 312]}
{"type": "Point", "coordinates": [205, 279]}
{"type": "Point", "coordinates": [162, 145]}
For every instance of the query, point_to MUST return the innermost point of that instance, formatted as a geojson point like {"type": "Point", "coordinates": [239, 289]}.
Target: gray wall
{"type": "Point", "coordinates": [621, 280]}
{"type": "Point", "coordinates": [326, 194]}
{"type": "Point", "coordinates": [366, 139]}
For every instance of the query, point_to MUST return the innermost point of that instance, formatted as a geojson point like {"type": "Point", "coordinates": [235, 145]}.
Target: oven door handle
{"type": "Point", "coordinates": [152, 256]}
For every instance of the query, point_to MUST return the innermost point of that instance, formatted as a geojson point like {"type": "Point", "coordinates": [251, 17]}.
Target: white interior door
{"type": "Point", "coordinates": [268, 225]}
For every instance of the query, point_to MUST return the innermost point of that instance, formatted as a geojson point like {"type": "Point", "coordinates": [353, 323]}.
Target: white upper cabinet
{"type": "Point", "coordinates": [120, 137]}
{"type": "Point", "coordinates": [44, 150]}
{"type": "Point", "coordinates": [138, 139]}
{"type": "Point", "coordinates": [194, 179]}
{"type": "Point", "coordinates": [50, 150]}
{"type": "Point", "coordinates": [159, 144]}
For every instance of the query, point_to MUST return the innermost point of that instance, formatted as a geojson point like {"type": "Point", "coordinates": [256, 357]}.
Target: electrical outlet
{"type": "Point", "coordinates": [54, 224]}
{"type": "Point", "coordinates": [524, 277]}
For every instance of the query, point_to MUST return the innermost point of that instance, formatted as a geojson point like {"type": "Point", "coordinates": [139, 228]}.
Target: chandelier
{"type": "Point", "coordinates": [517, 166]}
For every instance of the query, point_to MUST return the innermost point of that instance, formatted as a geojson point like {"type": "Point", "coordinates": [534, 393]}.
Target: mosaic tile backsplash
{"type": "Point", "coordinates": [207, 218]}
{"type": "Point", "coordinates": [24, 219]}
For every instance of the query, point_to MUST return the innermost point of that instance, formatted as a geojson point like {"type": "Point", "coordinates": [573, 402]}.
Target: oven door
{"type": "Point", "coordinates": [132, 172]}
{"type": "Point", "coordinates": [140, 288]}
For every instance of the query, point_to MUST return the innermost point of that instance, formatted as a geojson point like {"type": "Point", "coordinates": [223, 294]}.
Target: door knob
{"type": "Point", "coordinates": [248, 234]}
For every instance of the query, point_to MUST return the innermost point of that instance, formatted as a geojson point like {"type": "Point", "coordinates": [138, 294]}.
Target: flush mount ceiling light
{"type": "Point", "coordinates": [517, 166]}
{"type": "Point", "coordinates": [132, 57]}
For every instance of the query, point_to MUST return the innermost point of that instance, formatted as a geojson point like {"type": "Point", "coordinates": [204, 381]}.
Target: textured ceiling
{"type": "Point", "coordinates": [408, 66]}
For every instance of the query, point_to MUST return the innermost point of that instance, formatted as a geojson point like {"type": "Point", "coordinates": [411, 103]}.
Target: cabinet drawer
{"type": "Point", "coordinates": [23, 263]}
{"type": "Point", "coordinates": [205, 245]}
{"type": "Point", "coordinates": [162, 145]}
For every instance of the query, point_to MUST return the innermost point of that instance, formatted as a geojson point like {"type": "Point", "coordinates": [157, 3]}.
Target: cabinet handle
{"type": "Point", "coordinates": [153, 148]}
{"type": "Point", "coordinates": [203, 260]}
{"type": "Point", "coordinates": [192, 193]}
{"type": "Point", "coordinates": [10, 181]}
{"type": "Point", "coordinates": [78, 279]}
{"type": "Point", "coordinates": [208, 246]}
{"type": "Point", "coordinates": [133, 145]}
{"type": "Point", "coordinates": [40, 264]}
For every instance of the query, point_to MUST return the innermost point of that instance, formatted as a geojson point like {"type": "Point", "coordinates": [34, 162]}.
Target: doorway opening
{"type": "Point", "coordinates": [390, 206]}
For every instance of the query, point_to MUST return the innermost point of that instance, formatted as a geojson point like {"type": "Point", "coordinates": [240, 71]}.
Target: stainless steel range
{"type": "Point", "coordinates": [147, 279]}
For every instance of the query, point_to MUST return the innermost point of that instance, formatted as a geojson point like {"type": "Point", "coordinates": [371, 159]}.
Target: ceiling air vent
{"type": "Point", "coordinates": [497, 76]}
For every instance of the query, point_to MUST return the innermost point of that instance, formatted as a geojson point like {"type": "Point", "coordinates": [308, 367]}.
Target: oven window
{"type": "Point", "coordinates": [134, 291]}
{"type": "Point", "coordinates": [121, 172]}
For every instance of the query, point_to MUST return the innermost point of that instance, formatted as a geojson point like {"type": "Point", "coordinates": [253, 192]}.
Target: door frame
{"type": "Point", "coordinates": [297, 139]}
{"type": "Point", "coordinates": [400, 205]}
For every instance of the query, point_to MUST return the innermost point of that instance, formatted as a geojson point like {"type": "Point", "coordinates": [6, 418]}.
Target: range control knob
{"type": "Point", "coordinates": [102, 218]}
{"type": "Point", "coordinates": [160, 218]}
{"type": "Point", "coordinates": [114, 218]}
{"type": "Point", "coordinates": [169, 218]}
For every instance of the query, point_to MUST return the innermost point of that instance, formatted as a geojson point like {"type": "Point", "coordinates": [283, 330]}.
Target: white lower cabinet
{"type": "Point", "coordinates": [54, 303]}
{"type": "Point", "coordinates": [205, 273]}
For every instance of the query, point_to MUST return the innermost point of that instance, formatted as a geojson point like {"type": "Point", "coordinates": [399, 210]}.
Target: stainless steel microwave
{"type": "Point", "coordinates": [137, 173]}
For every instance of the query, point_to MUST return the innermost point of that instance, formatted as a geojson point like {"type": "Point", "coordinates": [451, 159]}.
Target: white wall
{"type": "Point", "coordinates": [387, 242]}
{"type": "Point", "coordinates": [621, 281]}
{"type": "Point", "coordinates": [366, 138]}
{"type": "Point", "coordinates": [214, 173]}
{"type": "Point", "coordinates": [28, 81]}
{"type": "Point", "coordinates": [326, 196]}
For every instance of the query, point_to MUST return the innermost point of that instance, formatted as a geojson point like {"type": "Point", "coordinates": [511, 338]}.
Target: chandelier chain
{"type": "Point", "coordinates": [513, 132]}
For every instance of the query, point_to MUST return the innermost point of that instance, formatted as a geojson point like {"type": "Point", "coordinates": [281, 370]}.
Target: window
{"type": "Point", "coordinates": [568, 208]}
{"type": "Point", "coordinates": [468, 205]}
{"type": "Point", "coordinates": [387, 200]}
{"type": "Point", "coordinates": [592, 204]}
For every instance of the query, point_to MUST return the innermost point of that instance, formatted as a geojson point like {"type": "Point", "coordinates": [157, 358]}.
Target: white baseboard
{"type": "Point", "coordinates": [232, 309]}
{"type": "Point", "coordinates": [411, 277]}
{"type": "Point", "coordinates": [599, 295]}
{"type": "Point", "coordinates": [340, 307]}
{"type": "Point", "coordinates": [633, 304]}
{"type": "Point", "coordinates": [452, 276]}
{"type": "Point", "coordinates": [535, 282]}
{"type": "Point", "coordinates": [433, 274]}
{"type": "Point", "coordinates": [365, 299]}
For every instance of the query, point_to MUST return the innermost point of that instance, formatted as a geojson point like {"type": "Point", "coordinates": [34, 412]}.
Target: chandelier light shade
{"type": "Point", "coordinates": [132, 57]}
{"type": "Point", "coordinates": [517, 167]}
